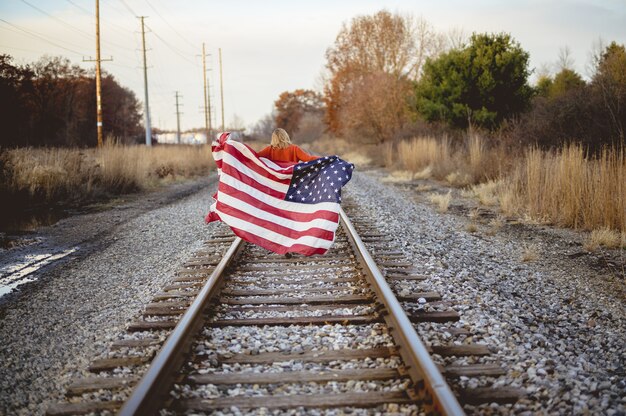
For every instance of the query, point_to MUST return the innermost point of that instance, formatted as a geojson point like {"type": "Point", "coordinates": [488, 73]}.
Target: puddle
{"type": "Point", "coordinates": [15, 222]}
{"type": "Point", "coordinates": [18, 273]}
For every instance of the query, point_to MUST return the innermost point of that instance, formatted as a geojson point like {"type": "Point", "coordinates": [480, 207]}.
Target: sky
{"type": "Point", "coordinates": [270, 46]}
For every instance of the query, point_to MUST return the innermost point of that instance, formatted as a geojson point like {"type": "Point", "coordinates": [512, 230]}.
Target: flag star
{"type": "Point", "coordinates": [315, 187]}
{"type": "Point", "coordinates": [328, 177]}
{"type": "Point", "coordinates": [297, 167]}
{"type": "Point", "coordinates": [332, 183]}
{"type": "Point", "coordinates": [319, 161]}
{"type": "Point", "coordinates": [306, 186]}
{"type": "Point", "coordinates": [335, 171]}
{"type": "Point", "coordinates": [336, 190]}
{"type": "Point", "coordinates": [301, 179]}
{"type": "Point", "coordinates": [290, 196]}
{"type": "Point", "coordinates": [347, 177]}
{"type": "Point", "coordinates": [303, 199]}
{"type": "Point", "coordinates": [318, 192]}
{"type": "Point", "coordinates": [326, 157]}
{"type": "Point", "coordinates": [344, 168]}
{"type": "Point", "coordinates": [298, 191]}
{"type": "Point", "coordinates": [316, 169]}
{"type": "Point", "coordinates": [293, 186]}
{"type": "Point", "coordinates": [313, 199]}
{"type": "Point", "coordinates": [308, 174]}
{"type": "Point", "coordinates": [329, 196]}
{"type": "Point", "coordinates": [310, 193]}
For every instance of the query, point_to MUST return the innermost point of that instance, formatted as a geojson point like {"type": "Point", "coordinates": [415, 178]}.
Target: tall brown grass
{"type": "Point", "coordinates": [38, 175]}
{"type": "Point", "coordinates": [565, 186]}
{"type": "Point", "coordinates": [570, 188]}
{"type": "Point", "coordinates": [464, 164]}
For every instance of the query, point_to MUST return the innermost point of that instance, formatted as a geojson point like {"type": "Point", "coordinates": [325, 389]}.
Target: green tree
{"type": "Point", "coordinates": [482, 84]}
{"type": "Point", "coordinates": [544, 84]}
{"type": "Point", "coordinates": [609, 82]}
{"type": "Point", "coordinates": [564, 81]}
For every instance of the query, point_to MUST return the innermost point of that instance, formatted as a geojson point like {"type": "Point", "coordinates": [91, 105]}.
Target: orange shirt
{"type": "Point", "coordinates": [289, 154]}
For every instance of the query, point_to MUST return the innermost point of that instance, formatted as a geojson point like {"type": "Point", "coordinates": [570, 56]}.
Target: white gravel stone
{"type": "Point", "coordinates": [557, 323]}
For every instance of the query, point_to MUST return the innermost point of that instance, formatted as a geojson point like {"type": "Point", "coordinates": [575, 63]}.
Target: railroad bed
{"type": "Point", "coordinates": [242, 328]}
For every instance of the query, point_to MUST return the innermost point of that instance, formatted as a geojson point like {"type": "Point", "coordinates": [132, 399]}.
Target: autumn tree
{"type": "Point", "coordinates": [15, 84]}
{"type": "Point", "coordinates": [385, 46]}
{"type": "Point", "coordinates": [52, 102]}
{"type": "Point", "coordinates": [292, 107]}
{"type": "Point", "coordinates": [481, 84]}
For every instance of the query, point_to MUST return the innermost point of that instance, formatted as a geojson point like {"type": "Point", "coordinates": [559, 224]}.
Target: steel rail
{"type": "Point", "coordinates": [421, 367]}
{"type": "Point", "coordinates": [152, 390]}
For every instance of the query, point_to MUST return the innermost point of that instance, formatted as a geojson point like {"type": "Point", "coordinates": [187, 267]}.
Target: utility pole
{"type": "Point", "coordinates": [145, 85]}
{"type": "Point", "coordinates": [98, 77]}
{"type": "Point", "coordinates": [222, 88]}
{"type": "Point", "coordinates": [207, 98]}
{"type": "Point", "coordinates": [177, 119]}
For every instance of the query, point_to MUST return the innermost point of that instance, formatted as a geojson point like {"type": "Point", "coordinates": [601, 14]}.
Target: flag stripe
{"type": "Point", "coordinates": [235, 173]}
{"type": "Point", "coordinates": [262, 172]}
{"type": "Point", "coordinates": [241, 197]}
{"type": "Point", "coordinates": [277, 248]}
{"type": "Point", "coordinates": [271, 235]}
{"type": "Point", "coordinates": [285, 231]}
{"type": "Point", "coordinates": [280, 203]}
{"type": "Point", "coordinates": [244, 153]}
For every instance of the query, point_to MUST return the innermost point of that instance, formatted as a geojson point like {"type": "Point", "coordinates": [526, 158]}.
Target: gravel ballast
{"type": "Point", "coordinates": [556, 323]}
{"type": "Point", "coordinates": [51, 328]}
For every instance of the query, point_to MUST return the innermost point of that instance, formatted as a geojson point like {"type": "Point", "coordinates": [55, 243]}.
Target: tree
{"type": "Point", "coordinates": [564, 81]}
{"type": "Point", "coordinates": [384, 43]}
{"type": "Point", "coordinates": [52, 102]}
{"type": "Point", "coordinates": [377, 108]}
{"type": "Point", "coordinates": [481, 84]}
{"type": "Point", "coordinates": [609, 82]}
{"type": "Point", "coordinates": [16, 84]}
{"type": "Point", "coordinates": [262, 129]}
{"type": "Point", "coordinates": [291, 107]}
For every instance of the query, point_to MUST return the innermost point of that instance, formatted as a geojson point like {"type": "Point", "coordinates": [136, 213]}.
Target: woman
{"type": "Point", "coordinates": [282, 150]}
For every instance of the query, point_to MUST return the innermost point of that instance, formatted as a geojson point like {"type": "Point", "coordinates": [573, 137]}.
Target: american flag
{"type": "Point", "coordinates": [283, 207]}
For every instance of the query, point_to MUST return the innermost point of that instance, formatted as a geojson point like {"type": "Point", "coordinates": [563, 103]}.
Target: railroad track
{"type": "Point", "coordinates": [239, 327]}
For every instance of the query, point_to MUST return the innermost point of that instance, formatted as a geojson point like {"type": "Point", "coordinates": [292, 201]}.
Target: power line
{"type": "Point", "coordinates": [172, 48]}
{"type": "Point", "coordinates": [58, 20]}
{"type": "Point", "coordinates": [64, 23]}
{"type": "Point", "coordinates": [129, 8]}
{"type": "Point", "coordinates": [90, 13]}
{"type": "Point", "coordinates": [40, 37]}
{"type": "Point", "coordinates": [168, 23]}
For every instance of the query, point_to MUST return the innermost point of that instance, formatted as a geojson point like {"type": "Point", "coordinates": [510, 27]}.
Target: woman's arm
{"type": "Point", "coordinates": [265, 152]}
{"type": "Point", "coordinates": [304, 156]}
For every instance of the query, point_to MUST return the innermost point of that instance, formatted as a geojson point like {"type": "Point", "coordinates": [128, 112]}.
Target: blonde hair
{"type": "Point", "coordinates": [280, 139]}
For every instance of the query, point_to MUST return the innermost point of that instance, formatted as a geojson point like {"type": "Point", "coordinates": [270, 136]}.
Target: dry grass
{"type": "Point", "coordinates": [441, 200]}
{"type": "Point", "coordinates": [471, 227]}
{"type": "Point", "coordinates": [486, 193]}
{"type": "Point", "coordinates": [530, 252]}
{"type": "Point", "coordinates": [398, 176]}
{"type": "Point", "coordinates": [495, 225]}
{"type": "Point", "coordinates": [604, 237]}
{"type": "Point", "coordinates": [468, 163]}
{"type": "Point", "coordinates": [73, 175]}
{"type": "Point", "coordinates": [423, 188]}
{"type": "Point", "coordinates": [570, 189]}
{"type": "Point", "coordinates": [564, 187]}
